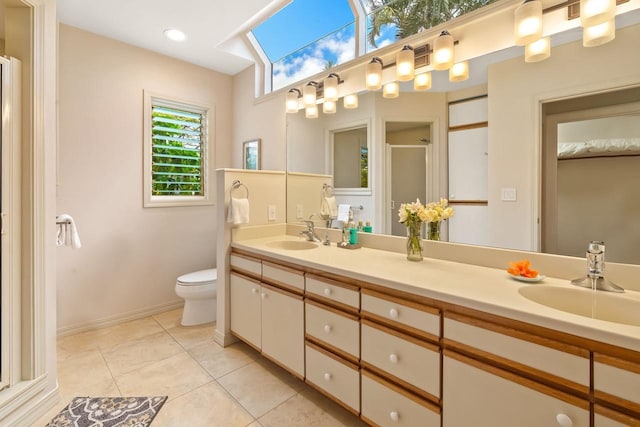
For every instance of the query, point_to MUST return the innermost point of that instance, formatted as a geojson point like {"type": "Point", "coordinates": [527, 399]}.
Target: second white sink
{"type": "Point", "coordinates": [617, 308]}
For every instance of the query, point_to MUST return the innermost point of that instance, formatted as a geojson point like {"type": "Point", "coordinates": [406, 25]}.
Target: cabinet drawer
{"type": "Point", "coordinates": [338, 378]}
{"type": "Point", "coordinates": [283, 276]}
{"type": "Point", "coordinates": [339, 330]}
{"type": "Point", "coordinates": [605, 417]}
{"type": "Point", "coordinates": [333, 291]}
{"type": "Point", "coordinates": [526, 354]}
{"type": "Point", "coordinates": [247, 265]}
{"type": "Point", "coordinates": [419, 319]}
{"type": "Point", "coordinates": [618, 379]}
{"type": "Point", "coordinates": [475, 394]}
{"type": "Point", "coordinates": [406, 358]}
{"type": "Point", "coordinates": [384, 404]}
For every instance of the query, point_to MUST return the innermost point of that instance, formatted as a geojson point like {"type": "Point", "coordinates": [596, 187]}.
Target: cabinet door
{"type": "Point", "coordinates": [283, 328]}
{"type": "Point", "coordinates": [482, 396]}
{"type": "Point", "coordinates": [245, 309]}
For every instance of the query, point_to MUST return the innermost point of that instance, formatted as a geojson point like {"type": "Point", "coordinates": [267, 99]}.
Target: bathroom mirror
{"type": "Point", "coordinates": [516, 93]}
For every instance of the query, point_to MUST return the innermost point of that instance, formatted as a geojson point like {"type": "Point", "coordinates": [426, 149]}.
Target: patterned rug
{"type": "Point", "coordinates": [109, 412]}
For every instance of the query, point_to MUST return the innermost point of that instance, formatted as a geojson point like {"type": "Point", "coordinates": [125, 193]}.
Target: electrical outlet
{"type": "Point", "coordinates": [299, 211]}
{"type": "Point", "coordinates": [508, 194]}
{"type": "Point", "coordinates": [272, 212]}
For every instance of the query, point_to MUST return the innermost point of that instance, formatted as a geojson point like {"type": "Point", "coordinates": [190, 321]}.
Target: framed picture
{"type": "Point", "coordinates": [251, 154]}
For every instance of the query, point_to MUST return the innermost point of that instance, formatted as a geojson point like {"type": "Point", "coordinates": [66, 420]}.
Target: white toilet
{"type": "Point", "coordinates": [199, 290]}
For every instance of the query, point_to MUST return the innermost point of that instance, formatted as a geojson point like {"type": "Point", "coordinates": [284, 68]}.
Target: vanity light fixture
{"type": "Point", "coordinates": [528, 22]}
{"type": "Point", "coordinates": [175, 35]}
{"type": "Point", "coordinates": [351, 101]}
{"type": "Point", "coordinates": [391, 90]}
{"type": "Point", "coordinates": [309, 94]}
{"type": "Point", "coordinates": [329, 107]}
{"type": "Point", "coordinates": [443, 51]}
{"type": "Point", "coordinates": [373, 74]}
{"type": "Point", "coordinates": [292, 100]}
{"type": "Point", "coordinates": [422, 81]}
{"type": "Point", "coordinates": [311, 112]}
{"type": "Point", "coordinates": [405, 64]}
{"type": "Point", "coordinates": [331, 87]}
{"type": "Point", "coordinates": [599, 34]}
{"type": "Point", "coordinates": [537, 51]}
{"type": "Point", "coordinates": [594, 12]}
{"type": "Point", "coordinates": [459, 72]}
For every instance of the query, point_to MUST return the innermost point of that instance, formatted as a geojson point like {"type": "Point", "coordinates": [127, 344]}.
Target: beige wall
{"type": "Point", "coordinates": [131, 256]}
{"type": "Point", "coordinates": [515, 92]}
{"type": "Point", "coordinates": [252, 119]}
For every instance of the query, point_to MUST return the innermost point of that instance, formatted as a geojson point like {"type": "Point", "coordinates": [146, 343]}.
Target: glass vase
{"type": "Point", "coordinates": [414, 241]}
{"type": "Point", "coordinates": [433, 230]}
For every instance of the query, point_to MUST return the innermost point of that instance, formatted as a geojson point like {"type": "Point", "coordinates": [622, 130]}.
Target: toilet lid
{"type": "Point", "coordinates": [199, 277]}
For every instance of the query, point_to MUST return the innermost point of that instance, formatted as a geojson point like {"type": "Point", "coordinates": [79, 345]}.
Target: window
{"type": "Point", "coordinates": [177, 156]}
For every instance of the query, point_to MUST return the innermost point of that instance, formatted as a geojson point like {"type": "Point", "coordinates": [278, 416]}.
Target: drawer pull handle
{"type": "Point", "coordinates": [254, 290]}
{"type": "Point", "coordinates": [393, 313]}
{"type": "Point", "coordinates": [393, 358]}
{"type": "Point", "coordinates": [394, 415]}
{"type": "Point", "coordinates": [327, 292]}
{"type": "Point", "coordinates": [564, 420]}
{"type": "Point", "coordinates": [327, 376]}
{"type": "Point", "coordinates": [327, 329]}
{"type": "Point", "coordinates": [264, 295]}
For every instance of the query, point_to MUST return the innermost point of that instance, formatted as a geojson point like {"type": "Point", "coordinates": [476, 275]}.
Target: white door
{"type": "Point", "coordinates": [407, 181]}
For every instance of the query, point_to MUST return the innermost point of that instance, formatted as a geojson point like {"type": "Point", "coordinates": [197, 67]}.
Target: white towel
{"type": "Point", "coordinates": [67, 233]}
{"type": "Point", "coordinates": [238, 211]}
{"type": "Point", "coordinates": [329, 207]}
{"type": "Point", "coordinates": [344, 213]}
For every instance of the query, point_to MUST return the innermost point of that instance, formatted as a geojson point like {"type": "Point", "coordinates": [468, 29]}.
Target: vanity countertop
{"type": "Point", "coordinates": [486, 289]}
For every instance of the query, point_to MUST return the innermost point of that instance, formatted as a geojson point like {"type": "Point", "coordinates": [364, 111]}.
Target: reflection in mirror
{"type": "Point", "coordinates": [350, 159]}
{"type": "Point", "coordinates": [595, 153]}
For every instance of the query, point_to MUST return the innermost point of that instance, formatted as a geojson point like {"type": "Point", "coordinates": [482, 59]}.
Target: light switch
{"type": "Point", "coordinates": [508, 194]}
{"type": "Point", "coordinates": [299, 211]}
{"type": "Point", "coordinates": [272, 212]}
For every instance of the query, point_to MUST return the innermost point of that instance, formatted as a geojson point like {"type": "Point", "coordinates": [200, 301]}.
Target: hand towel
{"type": "Point", "coordinates": [344, 213]}
{"type": "Point", "coordinates": [329, 207]}
{"type": "Point", "coordinates": [238, 211]}
{"type": "Point", "coordinates": [67, 233]}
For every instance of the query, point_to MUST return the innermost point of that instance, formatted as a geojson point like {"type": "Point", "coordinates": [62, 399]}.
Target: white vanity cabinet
{"type": "Point", "coordinates": [400, 361]}
{"type": "Point", "coordinates": [268, 314]}
{"type": "Point", "coordinates": [497, 375]}
{"type": "Point", "coordinates": [477, 394]}
{"type": "Point", "coordinates": [616, 384]}
{"type": "Point", "coordinates": [332, 334]}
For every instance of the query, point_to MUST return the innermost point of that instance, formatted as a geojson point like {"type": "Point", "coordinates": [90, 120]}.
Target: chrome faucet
{"type": "Point", "coordinates": [595, 270]}
{"type": "Point", "coordinates": [310, 232]}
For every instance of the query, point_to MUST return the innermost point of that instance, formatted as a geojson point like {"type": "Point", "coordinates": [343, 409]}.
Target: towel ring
{"type": "Point", "coordinates": [327, 190]}
{"type": "Point", "coordinates": [237, 184]}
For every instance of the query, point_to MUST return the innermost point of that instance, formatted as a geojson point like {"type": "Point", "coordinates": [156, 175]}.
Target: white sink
{"type": "Point", "coordinates": [617, 308]}
{"type": "Point", "coordinates": [292, 245]}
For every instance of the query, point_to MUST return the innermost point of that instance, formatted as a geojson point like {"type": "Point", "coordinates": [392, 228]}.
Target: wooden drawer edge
{"type": "Point", "coordinates": [617, 363]}
{"type": "Point", "coordinates": [401, 335]}
{"type": "Point", "coordinates": [334, 353]}
{"type": "Point", "coordinates": [284, 268]}
{"type": "Point", "coordinates": [401, 327]}
{"type": "Point", "coordinates": [333, 282]}
{"type": "Point", "coordinates": [621, 405]}
{"type": "Point", "coordinates": [433, 407]}
{"type": "Point", "coordinates": [616, 416]}
{"type": "Point", "coordinates": [392, 379]}
{"type": "Point", "coordinates": [354, 411]}
{"type": "Point", "coordinates": [282, 291]}
{"type": "Point", "coordinates": [582, 403]}
{"type": "Point", "coordinates": [242, 275]}
{"type": "Point", "coordinates": [399, 300]}
{"type": "Point", "coordinates": [333, 310]}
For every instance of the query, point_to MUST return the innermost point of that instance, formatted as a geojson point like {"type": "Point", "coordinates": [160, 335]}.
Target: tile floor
{"type": "Point", "coordinates": [207, 385]}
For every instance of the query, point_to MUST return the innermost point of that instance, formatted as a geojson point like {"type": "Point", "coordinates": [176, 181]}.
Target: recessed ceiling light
{"type": "Point", "coordinates": [175, 35]}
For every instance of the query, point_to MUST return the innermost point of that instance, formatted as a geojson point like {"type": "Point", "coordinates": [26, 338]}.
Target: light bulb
{"type": "Point", "coordinates": [328, 107]}
{"type": "Point", "coordinates": [594, 12]}
{"type": "Point", "coordinates": [459, 72]}
{"type": "Point", "coordinates": [351, 101]}
{"type": "Point", "coordinates": [391, 90]}
{"type": "Point", "coordinates": [422, 81]}
{"type": "Point", "coordinates": [443, 51]}
{"type": "Point", "coordinates": [405, 64]}
{"type": "Point", "coordinates": [538, 50]}
{"type": "Point", "coordinates": [600, 34]}
{"type": "Point", "coordinates": [331, 88]}
{"type": "Point", "coordinates": [528, 22]}
{"type": "Point", "coordinates": [292, 101]}
{"type": "Point", "coordinates": [309, 94]}
{"type": "Point", "coordinates": [311, 112]}
{"type": "Point", "coordinates": [373, 76]}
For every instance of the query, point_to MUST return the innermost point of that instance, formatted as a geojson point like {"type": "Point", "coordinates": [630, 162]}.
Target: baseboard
{"type": "Point", "coordinates": [37, 408]}
{"type": "Point", "coordinates": [224, 339]}
{"type": "Point", "coordinates": [119, 318]}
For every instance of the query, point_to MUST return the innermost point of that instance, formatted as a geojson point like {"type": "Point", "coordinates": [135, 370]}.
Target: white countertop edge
{"type": "Point", "coordinates": [497, 293]}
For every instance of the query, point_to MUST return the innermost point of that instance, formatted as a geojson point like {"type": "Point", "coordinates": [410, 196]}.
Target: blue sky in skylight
{"type": "Point", "coordinates": [300, 23]}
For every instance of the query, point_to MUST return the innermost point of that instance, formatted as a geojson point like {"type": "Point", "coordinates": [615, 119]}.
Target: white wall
{"type": "Point", "coordinates": [131, 256]}
{"type": "Point", "coordinates": [605, 128]}
{"type": "Point", "coordinates": [252, 119]}
{"type": "Point", "coordinates": [515, 92]}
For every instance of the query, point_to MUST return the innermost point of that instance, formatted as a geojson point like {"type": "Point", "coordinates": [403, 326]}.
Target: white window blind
{"type": "Point", "coordinates": [177, 152]}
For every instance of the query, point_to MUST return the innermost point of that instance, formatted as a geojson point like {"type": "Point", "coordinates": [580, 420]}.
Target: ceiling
{"type": "Point", "coordinates": [213, 27]}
